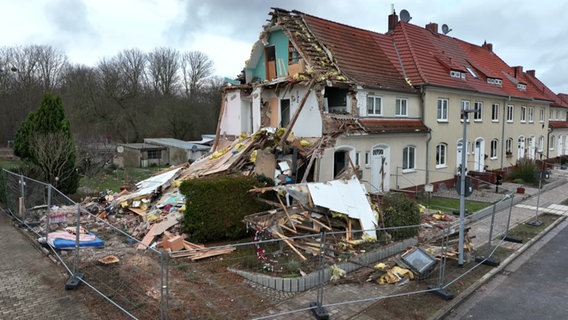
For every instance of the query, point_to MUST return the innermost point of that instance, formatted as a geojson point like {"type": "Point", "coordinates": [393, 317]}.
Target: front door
{"type": "Point", "coordinates": [479, 155]}
{"type": "Point", "coordinates": [521, 148]}
{"type": "Point", "coordinates": [380, 169]}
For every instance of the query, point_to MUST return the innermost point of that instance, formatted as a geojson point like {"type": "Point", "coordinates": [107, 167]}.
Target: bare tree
{"type": "Point", "coordinates": [132, 64]}
{"type": "Point", "coordinates": [163, 65]}
{"type": "Point", "coordinates": [51, 63]}
{"type": "Point", "coordinates": [196, 67]}
{"type": "Point", "coordinates": [51, 151]}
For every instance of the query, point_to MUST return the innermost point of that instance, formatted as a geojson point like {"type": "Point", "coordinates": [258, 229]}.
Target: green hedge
{"type": "Point", "coordinates": [399, 211]}
{"type": "Point", "coordinates": [216, 206]}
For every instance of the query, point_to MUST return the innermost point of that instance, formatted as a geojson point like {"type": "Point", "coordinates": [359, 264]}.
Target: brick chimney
{"type": "Point", "coordinates": [518, 70]}
{"type": "Point", "coordinates": [531, 73]}
{"type": "Point", "coordinates": [432, 27]}
{"type": "Point", "coordinates": [488, 46]}
{"type": "Point", "coordinates": [393, 20]}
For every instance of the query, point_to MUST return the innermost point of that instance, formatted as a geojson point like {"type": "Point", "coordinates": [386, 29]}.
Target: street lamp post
{"type": "Point", "coordinates": [465, 113]}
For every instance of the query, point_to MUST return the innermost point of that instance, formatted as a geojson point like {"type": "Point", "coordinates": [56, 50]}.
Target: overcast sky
{"type": "Point", "coordinates": [527, 33]}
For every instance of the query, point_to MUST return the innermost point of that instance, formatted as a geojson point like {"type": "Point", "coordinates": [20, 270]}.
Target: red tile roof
{"type": "Point", "coordinates": [380, 125]}
{"type": "Point", "coordinates": [357, 53]}
{"type": "Point", "coordinates": [558, 124]}
{"type": "Point", "coordinates": [411, 54]}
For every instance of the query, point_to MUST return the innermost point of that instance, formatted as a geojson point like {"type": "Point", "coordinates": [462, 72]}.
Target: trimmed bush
{"type": "Point", "coordinates": [216, 206]}
{"type": "Point", "coordinates": [399, 211]}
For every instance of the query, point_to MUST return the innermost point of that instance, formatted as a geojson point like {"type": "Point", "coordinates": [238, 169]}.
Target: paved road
{"type": "Point", "coordinates": [31, 286]}
{"type": "Point", "coordinates": [534, 286]}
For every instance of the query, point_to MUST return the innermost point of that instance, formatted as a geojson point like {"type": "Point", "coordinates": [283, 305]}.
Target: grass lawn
{"type": "Point", "coordinates": [447, 205]}
{"type": "Point", "coordinates": [114, 179]}
{"type": "Point", "coordinates": [8, 164]}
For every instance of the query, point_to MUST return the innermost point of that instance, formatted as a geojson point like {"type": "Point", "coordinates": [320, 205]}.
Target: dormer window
{"type": "Point", "coordinates": [522, 86]}
{"type": "Point", "coordinates": [470, 70]}
{"type": "Point", "coordinates": [457, 74]}
{"type": "Point", "coordinates": [495, 81]}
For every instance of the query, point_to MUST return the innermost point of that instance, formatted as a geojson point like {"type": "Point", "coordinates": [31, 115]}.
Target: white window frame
{"type": "Point", "coordinates": [523, 116]}
{"type": "Point", "coordinates": [540, 145]}
{"type": "Point", "coordinates": [509, 147]}
{"type": "Point", "coordinates": [408, 159]}
{"type": "Point", "coordinates": [541, 115]}
{"type": "Point", "coordinates": [478, 113]}
{"type": "Point", "coordinates": [493, 149]}
{"type": "Point", "coordinates": [551, 142]}
{"type": "Point", "coordinates": [441, 155]}
{"type": "Point", "coordinates": [375, 99]}
{"type": "Point", "coordinates": [531, 114]}
{"type": "Point", "coordinates": [401, 107]}
{"type": "Point", "coordinates": [495, 112]}
{"type": "Point", "coordinates": [464, 105]}
{"type": "Point", "coordinates": [442, 110]}
{"type": "Point", "coordinates": [367, 159]}
{"type": "Point", "coordinates": [510, 113]}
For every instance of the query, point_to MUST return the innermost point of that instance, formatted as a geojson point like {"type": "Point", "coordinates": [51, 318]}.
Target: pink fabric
{"type": "Point", "coordinates": [68, 236]}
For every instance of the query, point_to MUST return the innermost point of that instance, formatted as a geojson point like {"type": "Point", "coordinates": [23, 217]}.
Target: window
{"type": "Point", "coordinates": [557, 115]}
{"type": "Point", "coordinates": [154, 154]}
{"type": "Point", "coordinates": [441, 152]}
{"type": "Point", "coordinates": [358, 159]}
{"type": "Point", "coordinates": [442, 114]}
{"type": "Point", "coordinates": [374, 106]}
{"type": "Point", "coordinates": [509, 147]}
{"type": "Point", "coordinates": [367, 159]}
{"type": "Point", "coordinates": [551, 143]}
{"type": "Point", "coordinates": [531, 114]}
{"type": "Point", "coordinates": [550, 113]}
{"type": "Point", "coordinates": [541, 115]}
{"type": "Point", "coordinates": [495, 112]}
{"type": "Point", "coordinates": [540, 143]}
{"type": "Point", "coordinates": [284, 113]}
{"type": "Point", "coordinates": [523, 114]}
{"type": "Point", "coordinates": [409, 158]}
{"type": "Point", "coordinates": [401, 107]}
{"type": "Point", "coordinates": [510, 113]}
{"type": "Point", "coordinates": [478, 113]}
{"type": "Point", "coordinates": [470, 70]}
{"type": "Point", "coordinates": [464, 106]}
{"type": "Point", "coordinates": [493, 151]}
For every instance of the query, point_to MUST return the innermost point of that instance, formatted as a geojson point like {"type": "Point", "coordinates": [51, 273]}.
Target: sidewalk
{"type": "Point", "coordinates": [31, 286]}
{"type": "Point", "coordinates": [553, 193]}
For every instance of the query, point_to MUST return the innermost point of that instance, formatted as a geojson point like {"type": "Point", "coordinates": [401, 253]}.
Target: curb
{"type": "Point", "coordinates": [486, 277]}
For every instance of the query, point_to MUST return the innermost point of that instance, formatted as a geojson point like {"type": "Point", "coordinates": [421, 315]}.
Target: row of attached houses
{"type": "Point", "coordinates": [391, 103]}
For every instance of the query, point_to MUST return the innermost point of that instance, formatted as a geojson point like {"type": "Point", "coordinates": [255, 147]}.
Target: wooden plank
{"type": "Point", "coordinates": [289, 243]}
{"type": "Point", "coordinates": [176, 243]}
{"type": "Point", "coordinates": [138, 211]}
{"type": "Point", "coordinates": [286, 211]}
{"type": "Point", "coordinates": [148, 238]}
{"type": "Point", "coordinates": [213, 252]}
{"type": "Point", "coordinates": [170, 221]}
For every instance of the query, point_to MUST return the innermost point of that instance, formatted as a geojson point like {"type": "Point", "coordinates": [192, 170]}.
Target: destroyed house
{"type": "Point", "coordinates": [388, 105]}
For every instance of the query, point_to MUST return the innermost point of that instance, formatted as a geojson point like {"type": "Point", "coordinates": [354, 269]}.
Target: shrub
{"type": "Point", "coordinates": [216, 206]}
{"type": "Point", "coordinates": [399, 211]}
{"type": "Point", "coordinates": [525, 170]}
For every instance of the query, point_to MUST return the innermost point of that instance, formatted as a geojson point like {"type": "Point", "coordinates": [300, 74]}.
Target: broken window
{"type": "Point", "coordinates": [284, 113]}
{"type": "Point", "coordinates": [336, 99]}
{"type": "Point", "coordinates": [339, 162]}
{"type": "Point", "coordinates": [270, 54]}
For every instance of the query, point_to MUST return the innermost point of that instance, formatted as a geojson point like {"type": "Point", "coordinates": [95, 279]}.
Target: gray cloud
{"type": "Point", "coordinates": [70, 21]}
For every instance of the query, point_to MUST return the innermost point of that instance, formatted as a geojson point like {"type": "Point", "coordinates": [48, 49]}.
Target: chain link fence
{"type": "Point", "coordinates": [270, 277]}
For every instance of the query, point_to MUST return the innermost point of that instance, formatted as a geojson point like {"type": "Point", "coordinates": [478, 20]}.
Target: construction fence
{"type": "Point", "coordinates": [288, 277]}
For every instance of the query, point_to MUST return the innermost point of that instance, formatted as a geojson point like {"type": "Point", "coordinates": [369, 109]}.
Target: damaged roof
{"type": "Point", "coordinates": [406, 57]}
{"type": "Point", "coordinates": [339, 50]}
